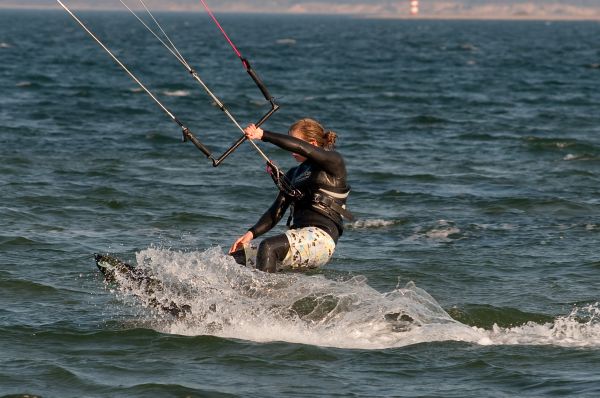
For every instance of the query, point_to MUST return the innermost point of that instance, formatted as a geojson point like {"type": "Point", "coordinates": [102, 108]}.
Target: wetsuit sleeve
{"type": "Point", "coordinates": [271, 216]}
{"type": "Point", "coordinates": [330, 161]}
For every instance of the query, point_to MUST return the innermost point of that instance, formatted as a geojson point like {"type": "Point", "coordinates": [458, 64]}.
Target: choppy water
{"type": "Point", "coordinates": [474, 157]}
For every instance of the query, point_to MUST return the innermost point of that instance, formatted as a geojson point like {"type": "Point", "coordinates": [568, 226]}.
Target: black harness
{"type": "Point", "coordinates": [320, 198]}
{"type": "Point", "coordinates": [330, 206]}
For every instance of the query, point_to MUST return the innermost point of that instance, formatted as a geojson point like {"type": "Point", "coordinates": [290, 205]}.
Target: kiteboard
{"type": "Point", "coordinates": [134, 279]}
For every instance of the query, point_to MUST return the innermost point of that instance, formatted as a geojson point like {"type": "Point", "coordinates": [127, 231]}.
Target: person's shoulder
{"type": "Point", "coordinates": [334, 156]}
{"type": "Point", "coordinates": [333, 162]}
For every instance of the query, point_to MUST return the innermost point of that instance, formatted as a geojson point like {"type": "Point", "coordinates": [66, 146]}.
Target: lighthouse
{"type": "Point", "coordinates": [414, 7]}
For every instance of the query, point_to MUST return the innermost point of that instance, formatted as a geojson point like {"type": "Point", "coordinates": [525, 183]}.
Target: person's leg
{"type": "Point", "coordinates": [303, 248]}
{"type": "Point", "coordinates": [271, 251]}
{"type": "Point", "coordinates": [310, 247]}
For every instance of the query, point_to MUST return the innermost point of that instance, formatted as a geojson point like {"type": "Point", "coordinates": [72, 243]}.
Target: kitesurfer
{"type": "Point", "coordinates": [316, 198]}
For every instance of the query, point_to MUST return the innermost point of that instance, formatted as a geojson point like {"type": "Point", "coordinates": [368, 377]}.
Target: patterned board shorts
{"type": "Point", "coordinates": [310, 247]}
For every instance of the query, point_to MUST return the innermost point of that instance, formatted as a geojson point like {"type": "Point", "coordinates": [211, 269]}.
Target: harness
{"type": "Point", "coordinates": [320, 198]}
{"type": "Point", "coordinates": [332, 204]}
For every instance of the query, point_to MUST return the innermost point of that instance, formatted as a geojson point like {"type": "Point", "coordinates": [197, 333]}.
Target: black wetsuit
{"type": "Point", "coordinates": [322, 169]}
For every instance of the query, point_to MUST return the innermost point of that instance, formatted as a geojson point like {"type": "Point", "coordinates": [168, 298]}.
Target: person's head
{"type": "Point", "coordinates": [311, 131]}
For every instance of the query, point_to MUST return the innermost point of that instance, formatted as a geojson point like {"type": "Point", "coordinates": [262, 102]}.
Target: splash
{"type": "Point", "coordinates": [226, 300]}
{"type": "Point", "coordinates": [581, 328]}
{"type": "Point", "coordinates": [231, 301]}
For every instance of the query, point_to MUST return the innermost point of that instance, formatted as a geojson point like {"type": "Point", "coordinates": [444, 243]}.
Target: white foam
{"type": "Point", "coordinates": [496, 227]}
{"type": "Point", "coordinates": [286, 41]}
{"type": "Point", "coordinates": [442, 231]}
{"type": "Point", "coordinates": [581, 328]}
{"type": "Point", "coordinates": [5, 45]}
{"type": "Point", "coordinates": [364, 224]}
{"type": "Point", "coordinates": [231, 301]}
{"type": "Point", "coordinates": [177, 93]}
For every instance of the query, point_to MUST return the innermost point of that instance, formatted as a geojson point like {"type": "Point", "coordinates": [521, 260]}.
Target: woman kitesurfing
{"type": "Point", "coordinates": [315, 191]}
{"type": "Point", "coordinates": [316, 194]}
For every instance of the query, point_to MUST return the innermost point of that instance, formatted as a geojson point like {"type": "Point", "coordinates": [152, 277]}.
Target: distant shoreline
{"type": "Point", "coordinates": [423, 17]}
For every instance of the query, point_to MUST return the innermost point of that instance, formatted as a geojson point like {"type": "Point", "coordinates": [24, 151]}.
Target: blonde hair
{"type": "Point", "coordinates": [312, 130]}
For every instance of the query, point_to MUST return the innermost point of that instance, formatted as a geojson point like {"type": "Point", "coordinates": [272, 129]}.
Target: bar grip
{"type": "Point", "coordinates": [257, 80]}
{"type": "Point", "coordinates": [187, 135]}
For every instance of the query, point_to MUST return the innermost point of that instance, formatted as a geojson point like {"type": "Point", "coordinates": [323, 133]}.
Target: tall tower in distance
{"type": "Point", "coordinates": [414, 7]}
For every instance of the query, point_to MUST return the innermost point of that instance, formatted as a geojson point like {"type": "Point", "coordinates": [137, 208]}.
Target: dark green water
{"type": "Point", "coordinates": [474, 155]}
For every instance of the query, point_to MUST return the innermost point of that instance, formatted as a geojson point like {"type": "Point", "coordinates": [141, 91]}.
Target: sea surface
{"type": "Point", "coordinates": [472, 268]}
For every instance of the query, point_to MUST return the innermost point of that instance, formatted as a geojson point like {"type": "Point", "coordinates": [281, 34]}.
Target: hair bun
{"type": "Point", "coordinates": [330, 139]}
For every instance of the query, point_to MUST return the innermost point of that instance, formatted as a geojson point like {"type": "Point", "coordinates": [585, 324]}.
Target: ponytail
{"type": "Point", "coordinates": [330, 138]}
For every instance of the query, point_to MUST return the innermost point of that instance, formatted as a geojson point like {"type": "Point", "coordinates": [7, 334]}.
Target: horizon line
{"type": "Point", "coordinates": [407, 16]}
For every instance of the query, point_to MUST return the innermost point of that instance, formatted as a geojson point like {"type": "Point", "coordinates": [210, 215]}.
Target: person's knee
{"type": "Point", "coordinates": [270, 251]}
{"type": "Point", "coordinates": [265, 257]}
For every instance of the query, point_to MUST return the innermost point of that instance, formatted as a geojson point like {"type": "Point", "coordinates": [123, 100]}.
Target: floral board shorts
{"type": "Point", "coordinates": [310, 247]}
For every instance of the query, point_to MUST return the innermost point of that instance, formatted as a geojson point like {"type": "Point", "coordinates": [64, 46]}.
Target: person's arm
{"type": "Point", "coordinates": [271, 217]}
{"type": "Point", "coordinates": [267, 221]}
{"type": "Point", "coordinates": [330, 161]}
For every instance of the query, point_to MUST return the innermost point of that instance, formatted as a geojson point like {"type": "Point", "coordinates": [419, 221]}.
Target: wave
{"type": "Point", "coordinates": [177, 93]}
{"type": "Point", "coordinates": [467, 47]}
{"type": "Point", "coordinates": [442, 231]}
{"type": "Point", "coordinates": [488, 316]}
{"type": "Point", "coordinates": [368, 224]}
{"type": "Point", "coordinates": [580, 328]}
{"type": "Point", "coordinates": [288, 42]}
{"type": "Point", "coordinates": [7, 241]}
{"type": "Point", "coordinates": [581, 157]}
{"type": "Point", "coordinates": [159, 137]}
{"type": "Point", "coordinates": [428, 120]}
{"type": "Point", "coordinates": [484, 137]}
{"type": "Point", "coordinates": [575, 147]}
{"type": "Point", "coordinates": [592, 227]}
{"type": "Point", "coordinates": [533, 205]}
{"type": "Point", "coordinates": [230, 301]}
{"type": "Point", "coordinates": [21, 287]}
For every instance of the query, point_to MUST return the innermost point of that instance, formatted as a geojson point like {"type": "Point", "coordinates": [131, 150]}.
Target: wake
{"type": "Point", "coordinates": [226, 300]}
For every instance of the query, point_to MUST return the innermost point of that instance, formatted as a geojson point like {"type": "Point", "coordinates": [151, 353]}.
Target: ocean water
{"type": "Point", "coordinates": [473, 151]}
